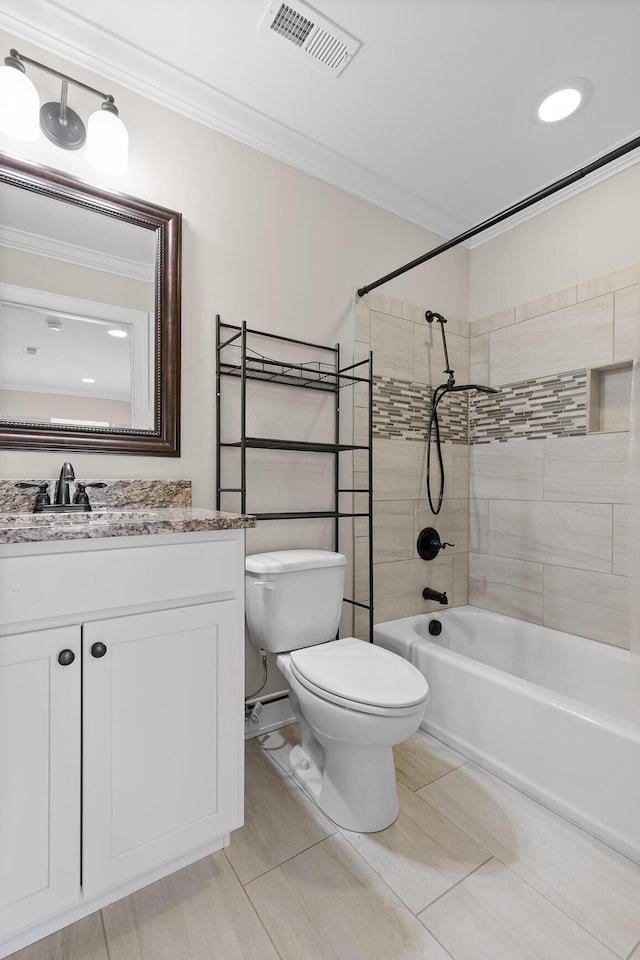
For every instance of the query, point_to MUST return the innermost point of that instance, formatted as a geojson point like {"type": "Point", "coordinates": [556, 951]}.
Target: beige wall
{"type": "Point", "coordinates": [40, 407]}
{"type": "Point", "coordinates": [38, 272]}
{"type": "Point", "coordinates": [262, 242]}
{"type": "Point", "coordinates": [590, 234]}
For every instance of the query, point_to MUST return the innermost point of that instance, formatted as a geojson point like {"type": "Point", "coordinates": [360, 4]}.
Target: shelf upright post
{"type": "Point", "coordinates": [243, 420]}
{"type": "Point", "coordinates": [370, 452]}
{"type": "Point", "coordinates": [218, 428]}
{"type": "Point", "coordinates": [336, 457]}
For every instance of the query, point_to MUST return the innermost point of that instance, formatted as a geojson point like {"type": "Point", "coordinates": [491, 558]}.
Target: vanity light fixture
{"type": "Point", "coordinates": [106, 135]}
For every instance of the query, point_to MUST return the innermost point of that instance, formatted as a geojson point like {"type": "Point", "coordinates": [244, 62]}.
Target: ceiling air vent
{"type": "Point", "coordinates": [312, 33]}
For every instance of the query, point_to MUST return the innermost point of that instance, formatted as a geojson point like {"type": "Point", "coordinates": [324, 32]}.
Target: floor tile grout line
{"type": "Point", "coordinates": [496, 857]}
{"type": "Point", "coordinates": [287, 859]}
{"type": "Point", "coordinates": [104, 933]}
{"type": "Point", "coordinates": [254, 910]}
{"type": "Point", "coordinates": [452, 887]}
{"type": "Point", "coordinates": [561, 910]}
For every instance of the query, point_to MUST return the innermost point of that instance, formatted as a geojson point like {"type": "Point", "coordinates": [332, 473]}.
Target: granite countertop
{"type": "Point", "coordinates": [37, 527]}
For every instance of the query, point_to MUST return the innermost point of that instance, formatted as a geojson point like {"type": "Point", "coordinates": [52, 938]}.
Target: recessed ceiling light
{"type": "Point", "coordinates": [88, 380]}
{"type": "Point", "coordinates": [54, 325]}
{"type": "Point", "coordinates": [563, 100]}
{"type": "Point", "coordinates": [117, 333]}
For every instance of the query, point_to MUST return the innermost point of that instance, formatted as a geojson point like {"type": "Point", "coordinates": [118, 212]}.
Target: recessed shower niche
{"type": "Point", "coordinates": [609, 397]}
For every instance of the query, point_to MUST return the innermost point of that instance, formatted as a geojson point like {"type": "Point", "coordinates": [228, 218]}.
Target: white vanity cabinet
{"type": "Point", "coordinates": [39, 775]}
{"type": "Point", "coordinates": [121, 683]}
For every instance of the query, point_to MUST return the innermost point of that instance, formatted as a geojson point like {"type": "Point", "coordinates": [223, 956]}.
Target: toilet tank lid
{"type": "Point", "coordinates": [283, 561]}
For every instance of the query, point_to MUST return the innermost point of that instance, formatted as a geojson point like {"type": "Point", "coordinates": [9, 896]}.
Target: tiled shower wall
{"type": "Point", "coordinates": [536, 480]}
{"type": "Point", "coordinates": [548, 476]}
{"type": "Point", "coordinates": [408, 362]}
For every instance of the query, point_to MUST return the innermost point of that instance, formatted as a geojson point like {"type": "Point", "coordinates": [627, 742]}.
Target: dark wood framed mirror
{"type": "Point", "coordinates": [78, 263]}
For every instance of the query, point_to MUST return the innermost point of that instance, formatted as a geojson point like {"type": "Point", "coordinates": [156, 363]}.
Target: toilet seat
{"type": "Point", "coordinates": [360, 676]}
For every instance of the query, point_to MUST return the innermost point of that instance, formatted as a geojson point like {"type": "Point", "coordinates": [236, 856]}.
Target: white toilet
{"type": "Point", "coordinates": [353, 701]}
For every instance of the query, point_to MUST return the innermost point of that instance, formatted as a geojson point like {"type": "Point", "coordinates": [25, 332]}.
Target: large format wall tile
{"type": "Point", "coordinates": [577, 336]}
{"type": "Point", "coordinates": [398, 586]}
{"type": "Point", "coordinates": [495, 321]}
{"type": "Point", "coordinates": [393, 526]}
{"type": "Point", "coordinates": [546, 304]}
{"type": "Point", "coordinates": [566, 534]}
{"type": "Point", "coordinates": [506, 471]}
{"type": "Point", "coordinates": [594, 468]}
{"type": "Point", "coordinates": [398, 468]}
{"type": "Point", "coordinates": [626, 323]}
{"type": "Point", "coordinates": [392, 345]}
{"type": "Point", "coordinates": [479, 526]}
{"type": "Point", "coordinates": [512, 587]}
{"type": "Point", "coordinates": [616, 280]}
{"type": "Point", "coordinates": [589, 604]}
{"type": "Point", "coordinates": [429, 354]}
{"type": "Point", "coordinates": [620, 540]}
{"type": "Point", "coordinates": [479, 359]}
{"type": "Point", "coordinates": [452, 523]}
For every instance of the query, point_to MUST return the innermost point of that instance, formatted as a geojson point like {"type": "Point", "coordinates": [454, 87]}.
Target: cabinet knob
{"type": "Point", "coordinates": [65, 657]}
{"type": "Point", "coordinates": [98, 649]}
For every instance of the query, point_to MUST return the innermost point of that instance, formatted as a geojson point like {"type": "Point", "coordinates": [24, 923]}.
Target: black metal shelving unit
{"type": "Point", "coordinates": [328, 377]}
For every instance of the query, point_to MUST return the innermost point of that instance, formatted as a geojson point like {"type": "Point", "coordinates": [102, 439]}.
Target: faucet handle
{"type": "Point", "coordinates": [43, 497]}
{"type": "Point", "coordinates": [81, 495]}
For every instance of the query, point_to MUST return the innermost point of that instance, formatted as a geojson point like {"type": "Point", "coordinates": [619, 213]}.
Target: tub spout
{"type": "Point", "coordinates": [429, 594]}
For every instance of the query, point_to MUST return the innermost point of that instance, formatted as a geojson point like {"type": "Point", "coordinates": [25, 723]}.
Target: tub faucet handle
{"type": "Point", "coordinates": [429, 543]}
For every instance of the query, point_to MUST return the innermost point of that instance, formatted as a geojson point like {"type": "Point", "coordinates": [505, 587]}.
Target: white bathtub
{"type": "Point", "coordinates": [549, 712]}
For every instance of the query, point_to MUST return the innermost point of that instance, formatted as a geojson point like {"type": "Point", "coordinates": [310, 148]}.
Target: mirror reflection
{"type": "Point", "coordinates": [89, 316]}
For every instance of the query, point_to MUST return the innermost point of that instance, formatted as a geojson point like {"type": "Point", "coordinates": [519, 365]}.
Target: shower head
{"type": "Point", "coordinates": [481, 388]}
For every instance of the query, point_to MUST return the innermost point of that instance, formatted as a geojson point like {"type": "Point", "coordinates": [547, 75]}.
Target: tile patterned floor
{"type": "Point", "coordinates": [471, 870]}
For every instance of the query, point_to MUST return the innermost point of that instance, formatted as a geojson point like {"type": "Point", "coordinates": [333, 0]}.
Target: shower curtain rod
{"type": "Point", "coordinates": [508, 212]}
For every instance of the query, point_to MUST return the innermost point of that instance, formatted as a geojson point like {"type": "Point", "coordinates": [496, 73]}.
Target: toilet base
{"type": "Point", "coordinates": [356, 789]}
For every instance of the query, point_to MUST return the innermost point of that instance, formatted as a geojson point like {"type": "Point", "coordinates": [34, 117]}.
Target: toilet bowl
{"type": "Point", "coordinates": [353, 701]}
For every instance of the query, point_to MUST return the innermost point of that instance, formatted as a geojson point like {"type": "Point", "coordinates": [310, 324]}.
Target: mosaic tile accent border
{"type": "Point", "coordinates": [545, 407]}
{"type": "Point", "coordinates": [554, 406]}
{"type": "Point", "coordinates": [401, 411]}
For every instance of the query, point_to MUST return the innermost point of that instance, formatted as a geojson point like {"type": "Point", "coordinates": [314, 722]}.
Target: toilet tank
{"type": "Point", "coordinates": [293, 598]}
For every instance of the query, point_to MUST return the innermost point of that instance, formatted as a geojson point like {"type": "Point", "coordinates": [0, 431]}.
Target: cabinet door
{"type": "Point", "coordinates": [163, 737]}
{"type": "Point", "coordinates": [39, 775]}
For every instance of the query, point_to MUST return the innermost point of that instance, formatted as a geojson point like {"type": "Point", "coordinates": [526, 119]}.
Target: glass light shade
{"type": "Point", "coordinates": [107, 142]}
{"type": "Point", "coordinates": [19, 105]}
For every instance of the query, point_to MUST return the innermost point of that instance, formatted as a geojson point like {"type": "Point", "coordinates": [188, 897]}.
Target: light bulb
{"type": "Point", "coordinates": [107, 141]}
{"type": "Point", "coordinates": [19, 104]}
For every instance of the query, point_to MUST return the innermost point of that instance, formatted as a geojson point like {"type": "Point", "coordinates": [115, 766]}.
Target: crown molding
{"type": "Point", "coordinates": [611, 169]}
{"type": "Point", "coordinates": [76, 39]}
{"type": "Point", "coordinates": [36, 243]}
{"type": "Point", "coordinates": [72, 37]}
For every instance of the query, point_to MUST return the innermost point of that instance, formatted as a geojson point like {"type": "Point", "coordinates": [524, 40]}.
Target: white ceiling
{"type": "Point", "coordinates": [432, 119]}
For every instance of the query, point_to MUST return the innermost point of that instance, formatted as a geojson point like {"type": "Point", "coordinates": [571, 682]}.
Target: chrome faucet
{"type": "Point", "coordinates": [62, 489]}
